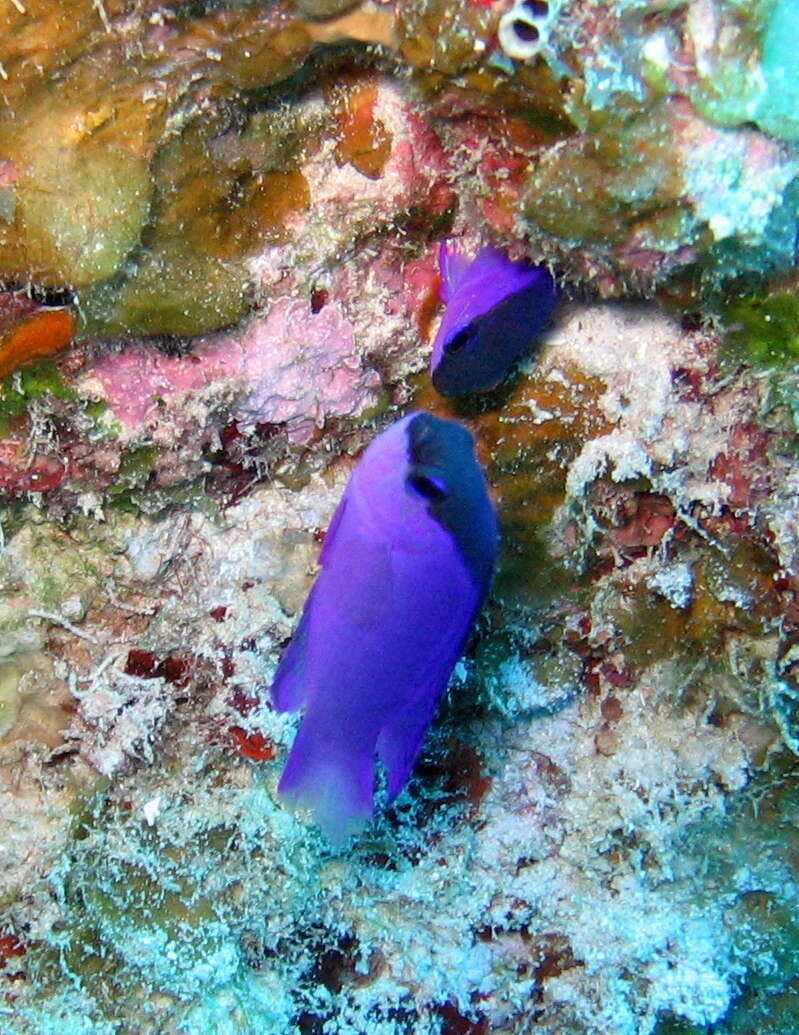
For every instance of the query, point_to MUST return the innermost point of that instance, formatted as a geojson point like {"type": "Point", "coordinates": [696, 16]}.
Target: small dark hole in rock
{"type": "Point", "coordinates": [539, 9]}
{"type": "Point", "coordinates": [51, 296]}
{"type": "Point", "coordinates": [319, 299]}
{"type": "Point", "coordinates": [527, 33]}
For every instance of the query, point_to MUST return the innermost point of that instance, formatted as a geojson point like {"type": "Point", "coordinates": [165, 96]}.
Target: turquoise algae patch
{"type": "Point", "coordinates": [778, 110]}
{"type": "Point", "coordinates": [746, 64]}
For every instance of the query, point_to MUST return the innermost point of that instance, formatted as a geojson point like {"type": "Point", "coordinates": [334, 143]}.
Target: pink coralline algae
{"type": "Point", "coordinates": [290, 366]}
{"type": "Point", "coordinates": [404, 293]}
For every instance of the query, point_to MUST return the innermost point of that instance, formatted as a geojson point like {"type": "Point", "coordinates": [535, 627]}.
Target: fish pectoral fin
{"type": "Point", "coordinates": [365, 598]}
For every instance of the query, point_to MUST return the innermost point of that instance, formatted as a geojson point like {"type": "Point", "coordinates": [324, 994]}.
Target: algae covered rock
{"type": "Point", "coordinates": [80, 228]}
{"type": "Point", "coordinates": [745, 64]}
{"type": "Point", "coordinates": [218, 200]}
{"type": "Point", "coordinates": [139, 210]}
{"type": "Point", "coordinates": [82, 192]}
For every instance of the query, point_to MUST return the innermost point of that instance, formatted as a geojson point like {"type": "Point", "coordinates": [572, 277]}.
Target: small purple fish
{"type": "Point", "coordinates": [494, 310]}
{"type": "Point", "coordinates": [406, 563]}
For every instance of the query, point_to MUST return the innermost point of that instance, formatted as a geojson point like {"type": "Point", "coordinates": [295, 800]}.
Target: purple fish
{"type": "Point", "coordinates": [494, 309]}
{"type": "Point", "coordinates": [406, 564]}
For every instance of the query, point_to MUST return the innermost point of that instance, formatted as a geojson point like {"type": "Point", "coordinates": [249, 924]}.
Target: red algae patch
{"type": "Point", "coordinates": [20, 473]}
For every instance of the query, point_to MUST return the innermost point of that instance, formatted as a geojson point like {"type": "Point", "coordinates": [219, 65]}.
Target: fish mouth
{"type": "Point", "coordinates": [457, 374]}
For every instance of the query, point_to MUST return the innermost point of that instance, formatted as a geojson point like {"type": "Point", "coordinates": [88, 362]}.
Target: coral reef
{"type": "Point", "coordinates": [625, 684]}
{"type": "Point", "coordinates": [218, 233]}
{"type": "Point", "coordinates": [627, 143]}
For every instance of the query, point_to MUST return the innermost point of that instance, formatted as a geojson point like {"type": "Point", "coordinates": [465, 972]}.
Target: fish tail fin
{"type": "Point", "coordinates": [335, 782]}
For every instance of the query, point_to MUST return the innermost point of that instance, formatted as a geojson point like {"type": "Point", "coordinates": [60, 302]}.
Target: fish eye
{"type": "Point", "coordinates": [430, 488]}
{"type": "Point", "coordinates": [457, 341]}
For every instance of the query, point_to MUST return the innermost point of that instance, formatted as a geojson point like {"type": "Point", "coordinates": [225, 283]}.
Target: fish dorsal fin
{"type": "Point", "coordinates": [454, 266]}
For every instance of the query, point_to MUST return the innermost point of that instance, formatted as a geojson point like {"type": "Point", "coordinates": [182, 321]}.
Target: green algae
{"type": "Point", "coordinates": [762, 324]}
{"type": "Point", "coordinates": [34, 381]}
{"type": "Point", "coordinates": [134, 490]}
{"type": "Point", "coordinates": [81, 556]}
{"type": "Point", "coordinates": [74, 569]}
{"type": "Point", "coordinates": [783, 401]}
{"type": "Point", "coordinates": [135, 469]}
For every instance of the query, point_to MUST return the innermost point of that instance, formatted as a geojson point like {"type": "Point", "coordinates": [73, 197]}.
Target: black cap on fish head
{"type": "Point", "coordinates": [444, 470]}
